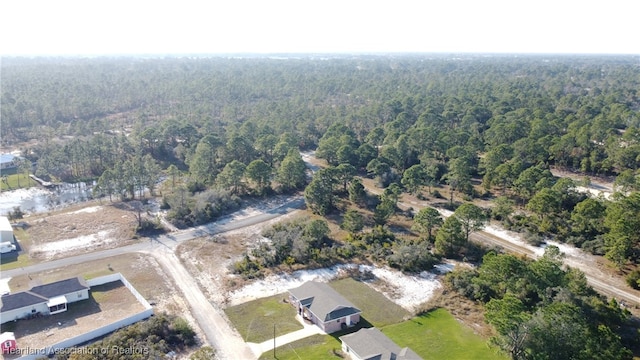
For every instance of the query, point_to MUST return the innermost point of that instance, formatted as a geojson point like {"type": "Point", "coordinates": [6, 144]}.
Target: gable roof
{"type": "Point", "coordinates": [61, 287]}
{"type": "Point", "coordinates": [42, 293]}
{"type": "Point", "coordinates": [324, 302]}
{"type": "Point", "coordinates": [19, 300]}
{"type": "Point", "coordinates": [373, 344]}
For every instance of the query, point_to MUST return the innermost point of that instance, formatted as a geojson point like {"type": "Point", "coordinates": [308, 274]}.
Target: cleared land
{"type": "Point", "coordinates": [78, 229]}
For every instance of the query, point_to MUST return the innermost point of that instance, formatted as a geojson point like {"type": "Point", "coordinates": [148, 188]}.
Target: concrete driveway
{"type": "Point", "coordinates": [308, 330]}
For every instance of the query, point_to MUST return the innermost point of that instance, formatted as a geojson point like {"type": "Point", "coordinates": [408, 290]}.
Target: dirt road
{"type": "Point", "coordinates": [212, 320]}
{"type": "Point", "coordinates": [602, 282]}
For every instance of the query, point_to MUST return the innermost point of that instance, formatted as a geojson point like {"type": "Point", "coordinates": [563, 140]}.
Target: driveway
{"type": "Point", "coordinates": [308, 330]}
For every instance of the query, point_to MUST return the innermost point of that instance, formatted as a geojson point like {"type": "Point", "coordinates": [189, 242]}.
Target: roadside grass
{"type": "Point", "coordinates": [17, 181]}
{"type": "Point", "coordinates": [14, 261]}
{"type": "Point", "coordinates": [370, 302]}
{"type": "Point", "coordinates": [254, 320]}
{"type": "Point", "coordinates": [438, 335]}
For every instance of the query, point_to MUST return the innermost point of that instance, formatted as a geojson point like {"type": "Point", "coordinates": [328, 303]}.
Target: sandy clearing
{"type": "Point", "coordinates": [87, 210]}
{"type": "Point", "coordinates": [409, 291]}
{"type": "Point", "coordinates": [81, 242]}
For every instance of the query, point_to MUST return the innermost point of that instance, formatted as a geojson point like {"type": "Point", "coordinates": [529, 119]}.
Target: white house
{"type": "Point", "coordinates": [372, 344]}
{"type": "Point", "coordinates": [48, 299]}
{"type": "Point", "coordinates": [6, 231]}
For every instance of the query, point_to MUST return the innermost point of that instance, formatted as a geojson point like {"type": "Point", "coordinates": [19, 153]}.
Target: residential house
{"type": "Point", "coordinates": [323, 306]}
{"type": "Point", "coordinates": [48, 299]}
{"type": "Point", "coordinates": [6, 231]}
{"type": "Point", "coordinates": [8, 161]}
{"type": "Point", "coordinates": [372, 344]}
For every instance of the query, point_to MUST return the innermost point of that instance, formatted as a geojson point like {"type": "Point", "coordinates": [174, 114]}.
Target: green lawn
{"type": "Point", "coordinates": [370, 302]}
{"type": "Point", "coordinates": [316, 347]}
{"type": "Point", "coordinates": [254, 320]}
{"type": "Point", "coordinates": [435, 335]}
{"type": "Point", "coordinates": [16, 181]}
{"type": "Point", "coordinates": [438, 335]}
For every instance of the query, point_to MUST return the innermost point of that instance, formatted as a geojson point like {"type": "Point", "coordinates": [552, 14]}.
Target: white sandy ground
{"type": "Point", "coordinates": [80, 242]}
{"type": "Point", "coordinates": [4, 286]}
{"type": "Point", "coordinates": [13, 198]}
{"type": "Point", "coordinates": [409, 291]}
{"type": "Point", "coordinates": [90, 209]}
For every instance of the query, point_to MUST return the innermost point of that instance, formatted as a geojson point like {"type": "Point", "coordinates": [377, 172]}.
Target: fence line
{"type": "Point", "coordinates": [88, 336]}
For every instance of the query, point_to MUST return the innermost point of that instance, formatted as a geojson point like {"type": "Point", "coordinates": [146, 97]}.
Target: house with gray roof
{"type": "Point", "coordinates": [323, 306]}
{"type": "Point", "coordinates": [47, 299]}
{"type": "Point", "coordinates": [372, 344]}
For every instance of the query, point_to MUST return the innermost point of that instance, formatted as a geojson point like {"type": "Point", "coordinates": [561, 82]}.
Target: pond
{"type": "Point", "coordinates": [37, 199]}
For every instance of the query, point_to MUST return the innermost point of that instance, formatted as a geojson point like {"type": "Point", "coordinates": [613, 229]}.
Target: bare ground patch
{"type": "Point", "coordinates": [79, 229]}
{"type": "Point", "coordinates": [208, 259]}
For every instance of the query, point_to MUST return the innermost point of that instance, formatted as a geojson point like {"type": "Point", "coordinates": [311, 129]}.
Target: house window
{"type": "Point", "coordinates": [338, 320]}
{"type": "Point", "coordinates": [7, 344]}
{"type": "Point", "coordinates": [33, 311]}
{"type": "Point", "coordinates": [79, 295]}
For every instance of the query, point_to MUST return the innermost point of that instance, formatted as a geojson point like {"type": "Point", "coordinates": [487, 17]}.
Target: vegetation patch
{"type": "Point", "coordinates": [149, 339]}
{"type": "Point", "coordinates": [254, 320]}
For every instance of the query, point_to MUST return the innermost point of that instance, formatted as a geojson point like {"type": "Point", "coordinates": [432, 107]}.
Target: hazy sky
{"type": "Point", "coordinates": [87, 27]}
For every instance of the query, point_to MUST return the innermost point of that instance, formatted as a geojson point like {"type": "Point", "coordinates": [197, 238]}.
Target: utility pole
{"type": "Point", "coordinates": [274, 340]}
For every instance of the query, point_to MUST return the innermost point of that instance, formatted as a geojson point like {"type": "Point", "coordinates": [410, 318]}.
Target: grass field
{"type": "Point", "coordinates": [434, 335]}
{"type": "Point", "coordinates": [254, 320]}
{"type": "Point", "coordinates": [370, 302]}
{"type": "Point", "coordinates": [16, 181]}
{"type": "Point", "coordinates": [438, 335]}
{"type": "Point", "coordinates": [316, 347]}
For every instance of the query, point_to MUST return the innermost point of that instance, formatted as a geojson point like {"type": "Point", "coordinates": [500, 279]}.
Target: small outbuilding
{"type": "Point", "coordinates": [323, 306]}
{"type": "Point", "coordinates": [7, 342]}
{"type": "Point", "coordinates": [6, 231]}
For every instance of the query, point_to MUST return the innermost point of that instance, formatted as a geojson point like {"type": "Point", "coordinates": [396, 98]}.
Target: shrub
{"type": "Point", "coordinates": [633, 279]}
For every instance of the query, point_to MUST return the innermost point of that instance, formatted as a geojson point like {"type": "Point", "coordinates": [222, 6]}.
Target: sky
{"type": "Point", "coordinates": [119, 27]}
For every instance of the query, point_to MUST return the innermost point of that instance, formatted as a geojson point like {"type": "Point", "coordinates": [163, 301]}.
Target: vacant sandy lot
{"type": "Point", "coordinates": [82, 228]}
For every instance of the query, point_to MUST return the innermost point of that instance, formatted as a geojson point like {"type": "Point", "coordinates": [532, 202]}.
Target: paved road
{"type": "Point", "coordinates": [168, 240]}
{"type": "Point", "coordinates": [211, 319]}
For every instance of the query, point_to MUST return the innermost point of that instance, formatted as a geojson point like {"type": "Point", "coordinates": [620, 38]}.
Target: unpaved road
{"type": "Point", "coordinates": [604, 283]}
{"type": "Point", "coordinates": [211, 319]}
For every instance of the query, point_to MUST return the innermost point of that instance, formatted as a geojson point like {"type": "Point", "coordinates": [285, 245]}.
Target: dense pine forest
{"type": "Point", "coordinates": [457, 129]}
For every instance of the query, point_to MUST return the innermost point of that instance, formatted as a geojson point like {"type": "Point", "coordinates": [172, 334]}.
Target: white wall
{"type": "Point", "coordinates": [88, 336]}
{"type": "Point", "coordinates": [24, 312]}
{"type": "Point", "coordinates": [77, 296]}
